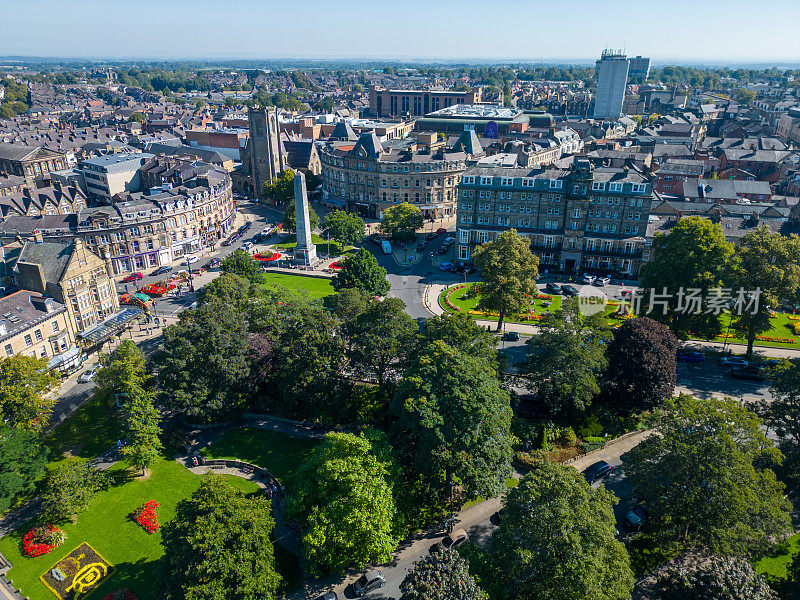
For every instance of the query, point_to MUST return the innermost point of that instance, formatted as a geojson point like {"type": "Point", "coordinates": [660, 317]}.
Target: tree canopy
{"type": "Point", "coordinates": [24, 381]}
{"type": "Point", "coordinates": [713, 578]}
{"type": "Point", "coordinates": [344, 227]}
{"type": "Point", "coordinates": [509, 270]}
{"type": "Point", "coordinates": [440, 576]}
{"type": "Point", "coordinates": [361, 270]}
{"type": "Point", "coordinates": [281, 188]}
{"type": "Point", "coordinates": [69, 489]}
{"type": "Point", "coordinates": [401, 221]}
{"type": "Point", "coordinates": [243, 265]}
{"type": "Point", "coordinates": [23, 458]}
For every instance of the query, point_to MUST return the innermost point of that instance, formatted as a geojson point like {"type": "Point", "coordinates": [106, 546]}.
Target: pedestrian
{"type": "Point", "coordinates": [126, 288]}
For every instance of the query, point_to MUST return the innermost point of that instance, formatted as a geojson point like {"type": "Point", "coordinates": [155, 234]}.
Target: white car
{"type": "Point", "coordinates": [733, 361]}
{"type": "Point", "coordinates": [588, 279]}
{"type": "Point", "coordinates": [88, 374]}
{"type": "Point", "coordinates": [247, 245]}
{"type": "Point", "coordinates": [603, 281]}
{"type": "Point", "coordinates": [191, 259]}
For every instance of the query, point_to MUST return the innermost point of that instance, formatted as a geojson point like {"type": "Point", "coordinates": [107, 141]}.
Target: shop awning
{"type": "Point", "coordinates": [108, 328]}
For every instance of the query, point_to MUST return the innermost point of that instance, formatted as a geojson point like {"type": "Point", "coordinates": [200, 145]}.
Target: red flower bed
{"type": "Point", "coordinates": [268, 256]}
{"type": "Point", "coordinates": [335, 265]}
{"type": "Point", "coordinates": [40, 541]}
{"type": "Point", "coordinates": [123, 594]}
{"type": "Point", "coordinates": [145, 516]}
{"type": "Point", "coordinates": [155, 289]}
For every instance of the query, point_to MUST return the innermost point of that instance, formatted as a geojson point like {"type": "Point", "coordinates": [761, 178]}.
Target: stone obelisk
{"type": "Point", "coordinates": [305, 252]}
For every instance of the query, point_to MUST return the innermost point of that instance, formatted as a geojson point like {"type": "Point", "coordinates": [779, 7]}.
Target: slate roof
{"type": "Point", "coordinates": [469, 143]}
{"type": "Point", "coordinates": [52, 257]}
{"type": "Point", "coordinates": [16, 152]}
{"type": "Point", "coordinates": [368, 145]}
{"type": "Point", "coordinates": [343, 131]}
{"type": "Point", "coordinates": [23, 312]}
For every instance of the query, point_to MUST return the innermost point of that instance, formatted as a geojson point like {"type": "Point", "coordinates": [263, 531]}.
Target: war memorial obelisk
{"type": "Point", "coordinates": [305, 252]}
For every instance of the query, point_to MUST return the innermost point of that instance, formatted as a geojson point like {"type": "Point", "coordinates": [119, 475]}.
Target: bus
{"type": "Point", "coordinates": [387, 247]}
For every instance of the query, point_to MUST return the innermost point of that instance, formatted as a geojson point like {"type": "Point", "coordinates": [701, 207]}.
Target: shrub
{"type": "Point", "coordinates": [592, 428]}
{"type": "Point", "coordinates": [567, 437]}
{"type": "Point", "coordinates": [530, 460]}
{"type": "Point", "coordinates": [593, 443]}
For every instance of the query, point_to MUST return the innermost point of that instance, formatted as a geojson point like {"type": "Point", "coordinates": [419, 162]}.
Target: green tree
{"type": "Point", "coordinates": [348, 303]}
{"type": "Point", "coordinates": [142, 430]}
{"type": "Point", "coordinates": [642, 367]}
{"type": "Point", "coordinates": [782, 414]}
{"type": "Point", "coordinates": [281, 189]}
{"type": "Point", "coordinates": [361, 270]}
{"type": "Point", "coordinates": [565, 361]}
{"type": "Point", "coordinates": [765, 261]}
{"type": "Point", "coordinates": [229, 288]}
{"type": "Point", "coordinates": [70, 488]}
{"type": "Point", "coordinates": [203, 363]}
{"type": "Point", "coordinates": [744, 96]}
{"type": "Point", "coordinates": [461, 332]}
{"type": "Point", "coordinates": [288, 220]}
{"type": "Point", "coordinates": [440, 576]}
{"type": "Point", "coordinates": [345, 228]}
{"type": "Point", "coordinates": [381, 338]}
{"type": "Point", "coordinates": [713, 578]}
{"type": "Point", "coordinates": [136, 117]}
{"type": "Point", "coordinates": [705, 481]}
{"type": "Point", "coordinates": [454, 420]}
{"type": "Point", "coordinates": [23, 458]}
{"type": "Point", "coordinates": [219, 547]}
{"type": "Point", "coordinates": [401, 221]}
{"type": "Point", "coordinates": [557, 539]}
{"type": "Point", "coordinates": [24, 381]}
{"type": "Point", "coordinates": [690, 259]}
{"type": "Point", "coordinates": [121, 370]}
{"type": "Point", "coordinates": [344, 501]}
{"type": "Point", "coordinates": [242, 264]}
{"type": "Point", "coordinates": [509, 270]}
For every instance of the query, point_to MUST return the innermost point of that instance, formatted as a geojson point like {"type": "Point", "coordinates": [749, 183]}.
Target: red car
{"type": "Point", "coordinates": [441, 230]}
{"type": "Point", "coordinates": [133, 277]}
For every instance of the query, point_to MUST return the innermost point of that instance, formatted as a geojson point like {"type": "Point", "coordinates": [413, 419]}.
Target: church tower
{"type": "Point", "coordinates": [267, 160]}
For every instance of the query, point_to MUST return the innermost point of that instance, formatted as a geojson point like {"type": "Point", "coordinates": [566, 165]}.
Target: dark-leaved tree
{"type": "Point", "coordinates": [440, 576]}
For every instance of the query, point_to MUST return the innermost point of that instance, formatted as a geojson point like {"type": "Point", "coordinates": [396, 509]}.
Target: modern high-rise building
{"type": "Point", "coordinates": [639, 68]}
{"type": "Point", "coordinates": [612, 77]}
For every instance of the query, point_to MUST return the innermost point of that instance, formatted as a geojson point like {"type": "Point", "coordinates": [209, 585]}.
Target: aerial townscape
{"type": "Point", "coordinates": [433, 301]}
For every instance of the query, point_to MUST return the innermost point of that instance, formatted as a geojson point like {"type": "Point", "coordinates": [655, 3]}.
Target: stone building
{"type": "Point", "coordinates": [369, 178]}
{"type": "Point", "coordinates": [264, 152]}
{"type": "Point", "coordinates": [107, 176]}
{"type": "Point", "coordinates": [392, 103]}
{"type": "Point", "coordinates": [30, 162]}
{"type": "Point", "coordinates": [581, 220]}
{"type": "Point", "coordinates": [57, 199]}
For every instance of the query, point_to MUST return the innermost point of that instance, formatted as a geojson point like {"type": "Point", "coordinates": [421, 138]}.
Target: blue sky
{"type": "Point", "coordinates": [706, 30]}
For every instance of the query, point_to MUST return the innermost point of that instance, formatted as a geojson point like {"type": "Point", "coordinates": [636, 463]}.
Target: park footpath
{"type": "Point", "coordinates": [430, 298]}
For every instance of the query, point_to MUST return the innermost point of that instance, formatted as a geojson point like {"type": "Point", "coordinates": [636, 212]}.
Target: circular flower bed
{"type": "Point", "coordinates": [41, 540]}
{"type": "Point", "coordinates": [145, 516]}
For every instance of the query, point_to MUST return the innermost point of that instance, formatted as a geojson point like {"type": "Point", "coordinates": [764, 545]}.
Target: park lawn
{"type": "Point", "coordinates": [88, 432]}
{"type": "Point", "coordinates": [457, 299]}
{"type": "Point", "coordinates": [106, 526]}
{"type": "Point", "coordinates": [279, 453]}
{"type": "Point", "coordinates": [775, 564]}
{"type": "Point", "coordinates": [781, 328]}
{"type": "Point", "coordinates": [315, 287]}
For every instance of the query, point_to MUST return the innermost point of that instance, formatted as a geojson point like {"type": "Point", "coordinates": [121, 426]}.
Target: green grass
{"type": "Point", "coordinates": [457, 299]}
{"type": "Point", "coordinates": [315, 287]}
{"type": "Point", "coordinates": [329, 248]}
{"type": "Point", "coordinates": [88, 432]}
{"type": "Point", "coordinates": [774, 565]}
{"type": "Point", "coordinates": [781, 328]}
{"type": "Point", "coordinates": [107, 528]}
{"type": "Point", "coordinates": [280, 454]}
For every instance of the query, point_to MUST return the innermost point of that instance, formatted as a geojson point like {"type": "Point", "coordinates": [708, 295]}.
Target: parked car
{"type": "Point", "coordinates": [191, 259]}
{"type": "Point", "coordinates": [246, 246]}
{"type": "Point", "coordinates": [133, 277]}
{"type": "Point", "coordinates": [441, 230]}
{"type": "Point", "coordinates": [246, 226]}
{"type": "Point", "coordinates": [690, 356]}
{"type": "Point", "coordinates": [599, 470]}
{"type": "Point", "coordinates": [451, 541]}
{"type": "Point", "coordinates": [227, 242]}
{"type": "Point", "coordinates": [748, 372]}
{"type": "Point", "coordinates": [88, 374]}
{"type": "Point", "coordinates": [588, 279]}
{"type": "Point", "coordinates": [431, 236]}
{"type": "Point", "coordinates": [603, 281]}
{"type": "Point", "coordinates": [636, 517]}
{"type": "Point", "coordinates": [446, 266]}
{"type": "Point", "coordinates": [569, 290]}
{"type": "Point", "coordinates": [553, 288]}
{"type": "Point", "coordinates": [449, 240]}
{"type": "Point", "coordinates": [511, 336]}
{"type": "Point", "coordinates": [371, 580]}
{"type": "Point", "coordinates": [161, 270]}
{"type": "Point", "coordinates": [328, 596]}
{"type": "Point", "coordinates": [442, 250]}
{"type": "Point", "coordinates": [214, 262]}
{"type": "Point", "coordinates": [733, 361]}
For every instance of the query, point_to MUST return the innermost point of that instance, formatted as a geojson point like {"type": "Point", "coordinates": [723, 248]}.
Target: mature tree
{"type": "Point", "coordinates": [454, 419]}
{"type": "Point", "coordinates": [705, 481]}
{"type": "Point", "coordinates": [263, 356]}
{"type": "Point", "coordinates": [23, 458]}
{"type": "Point", "coordinates": [70, 488]}
{"type": "Point", "coordinates": [122, 369]}
{"type": "Point", "coordinates": [462, 333]}
{"type": "Point", "coordinates": [203, 363]}
{"type": "Point", "coordinates": [218, 546]}
{"type": "Point", "coordinates": [401, 221]}
{"type": "Point", "coordinates": [440, 576]}
{"type": "Point", "coordinates": [24, 381]}
{"type": "Point", "coordinates": [288, 220]}
{"type": "Point", "coordinates": [242, 264]}
{"type": "Point", "coordinates": [361, 270]}
{"type": "Point", "coordinates": [275, 308]}
{"type": "Point", "coordinates": [344, 501]}
{"type": "Point", "coordinates": [557, 539]}
{"type": "Point", "coordinates": [509, 270]}
{"type": "Point", "coordinates": [344, 227]}
{"type": "Point", "coordinates": [713, 578]}
{"type": "Point", "coordinates": [281, 189]}
{"type": "Point", "coordinates": [642, 367]}
{"type": "Point", "coordinates": [381, 338]}
{"type": "Point", "coordinates": [565, 361]}
{"type": "Point", "coordinates": [348, 303]}
{"type": "Point", "coordinates": [142, 430]}
{"type": "Point", "coordinates": [782, 414]}
{"type": "Point", "coordinates": [768, 262]}
{"type": "Point", "coordinates": [686, 263]}
{"type": "Point", "coordinates": [744, 96]}
{"type": "Point", "coordinates": [228, 288]}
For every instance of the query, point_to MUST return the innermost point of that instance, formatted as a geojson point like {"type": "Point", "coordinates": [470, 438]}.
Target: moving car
{"type": "Point", "coordinates": [161, 270]}
{"type": "Point", "coordinates": [733, 361]}
{"type": "Point", "coordinates": [466, 269]}
{"type": "Point", "coordinates": [636, 517]}
{"type": "Point", "coordinates": [191, 259]}
{"type": "Point", "coordinates": [88, 374]}
{"type": "Point", "coordinates": [599, 470]}
{"type": "Point", "coordinates": [386, 246]}
{"type": "Point", "coordinates": [214, 262]}
{"type": "Point", "coordinates": [371, 580]}
{"type": "Point", "coordinates": [690, 356]}
{"type": "Point", "coordinates": [553, 288]}
{"type": "Point", "coordinates": [603, 281]}
{"type": "Point", "coordinates": [588, 279]}
{"type": "Point", "coordinates": [446, 266]}
{"type": "Point", "coordinates": [569, 290]}
{"type": "Point", "coordinates": [328, 596]}
{"type": "Point", "coordinates": [748, 372]}
{"type": "Point", "coordinates": [441, 230]}
{"type": "Point", "coordinates": [133, 277]}
{"type": "Point", "coordinates": [511, 336]}
{"type": "Point", "coordinates": [451, 541]}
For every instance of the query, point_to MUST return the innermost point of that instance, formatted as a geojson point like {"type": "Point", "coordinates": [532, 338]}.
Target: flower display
{"type": "Point", "coordinates": [121, 594]}
{"type": "Point", "coordinates": [146, 516]}
{"type": "Point", "coordinates": [41, 540]}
